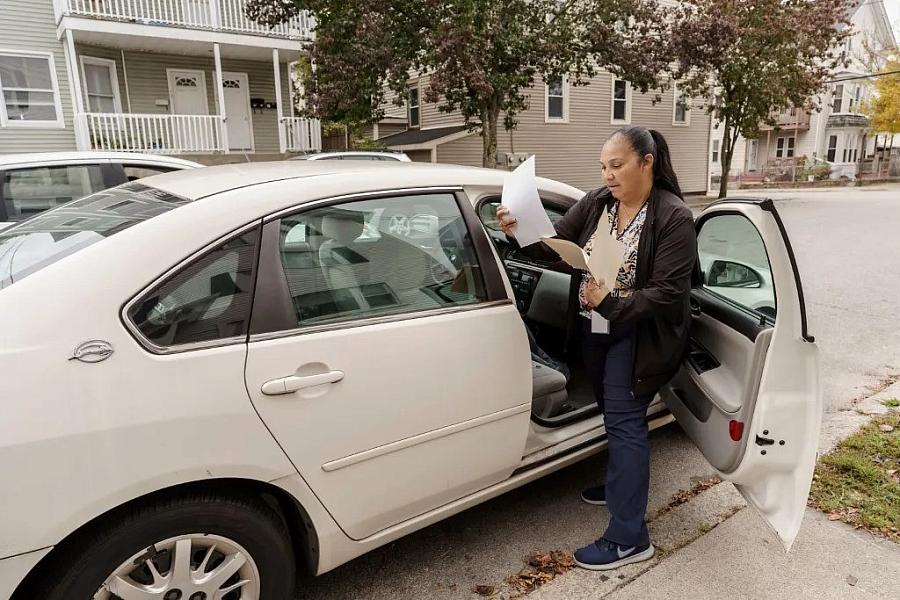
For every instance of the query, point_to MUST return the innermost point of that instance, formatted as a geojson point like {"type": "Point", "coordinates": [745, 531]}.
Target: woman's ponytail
{"type": "Point", "coordinates": [663, 173]}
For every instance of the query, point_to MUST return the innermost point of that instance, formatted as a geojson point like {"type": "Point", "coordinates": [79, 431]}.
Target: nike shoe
{"type": "Point", "coordinates": [604, 555]}
{"type": "Point", "coordinates": [595, 495]}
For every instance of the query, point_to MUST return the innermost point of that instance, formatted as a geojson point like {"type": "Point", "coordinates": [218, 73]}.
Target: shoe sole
{"type": "Point", "coordinates": [628, 560]}
{"type": "Point", "coordinates": [594, 502]}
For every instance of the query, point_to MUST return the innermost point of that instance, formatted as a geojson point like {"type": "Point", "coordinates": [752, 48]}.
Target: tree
{"type": "Point", "coordinates": [482, 55]}
{"type": "Point", "coordinates": [884, 107]}
{"type": "Point", "coordinates": [746, 60]}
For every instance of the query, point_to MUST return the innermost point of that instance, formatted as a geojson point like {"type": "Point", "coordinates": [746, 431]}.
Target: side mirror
{"type": "Point", "coordinates": [726, 273]}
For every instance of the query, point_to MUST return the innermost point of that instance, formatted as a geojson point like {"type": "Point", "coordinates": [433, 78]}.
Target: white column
{"type": "Point", "coordinates": [220, 92]}
{"type": "Point", "coordinates": [82, 139]}
{"type": "Point", "coordinates": [282, 146]}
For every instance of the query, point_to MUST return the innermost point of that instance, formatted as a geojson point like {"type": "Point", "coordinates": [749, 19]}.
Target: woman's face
{"type": "Point", "coordinates": [624, 172]}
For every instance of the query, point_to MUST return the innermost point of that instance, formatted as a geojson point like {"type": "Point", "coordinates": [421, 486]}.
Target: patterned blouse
{"type": "Point", "coordinates": [631, 236]}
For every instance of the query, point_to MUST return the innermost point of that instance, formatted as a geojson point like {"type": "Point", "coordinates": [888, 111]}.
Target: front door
{"type": "Point", "coordinates": [392, 369]}
{"type": "Point", "coordinates": [749, 393]}
{"type": "Point", "coordinates": [752, 152]}
{"type": "Point", "coordinates": [187, 90]}
{"type": "Point", "coordinates": [237, 111]}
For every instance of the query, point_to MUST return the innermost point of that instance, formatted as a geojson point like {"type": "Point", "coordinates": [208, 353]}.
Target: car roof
{"type": "Point", "coordinates": [194, 185]}
{"type": "Point", "coordinates": [7, 160]}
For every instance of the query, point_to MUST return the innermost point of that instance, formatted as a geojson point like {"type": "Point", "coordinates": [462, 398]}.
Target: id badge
{"type": "Point", "coordinates": [598, 323]}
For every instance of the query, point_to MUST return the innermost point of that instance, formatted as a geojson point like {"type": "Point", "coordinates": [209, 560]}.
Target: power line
{"type": "Point", "coordinates": [863, 77]}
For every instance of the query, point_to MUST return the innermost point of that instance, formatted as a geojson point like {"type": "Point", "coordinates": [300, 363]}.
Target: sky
{"type": "Point", "coordinates": [893, 12]}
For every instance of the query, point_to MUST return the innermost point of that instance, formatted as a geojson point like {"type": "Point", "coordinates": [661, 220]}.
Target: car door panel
{"type": "Point", "coordinates": [421, 408]}
{"type": "Point", "coordinates": [756, 414]}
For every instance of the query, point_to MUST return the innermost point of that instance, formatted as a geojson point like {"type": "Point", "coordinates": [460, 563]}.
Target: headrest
{"type": "Point", "coordinates": [343, 227]}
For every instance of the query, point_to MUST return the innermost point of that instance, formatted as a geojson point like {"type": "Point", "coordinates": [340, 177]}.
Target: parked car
{"type": "Point", "coordinates": [355, 155]}
{"type": "Point", "coordinates": [32, 183]}
{"type": "Point", "coordinates": [219, 378]}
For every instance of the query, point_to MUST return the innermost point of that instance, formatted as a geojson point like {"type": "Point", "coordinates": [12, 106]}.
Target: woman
{"type": "Point", "coordinates": [648, 312]}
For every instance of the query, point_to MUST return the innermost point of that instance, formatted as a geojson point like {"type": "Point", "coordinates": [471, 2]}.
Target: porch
{"type": "Point", "coordinates": [187, 104]}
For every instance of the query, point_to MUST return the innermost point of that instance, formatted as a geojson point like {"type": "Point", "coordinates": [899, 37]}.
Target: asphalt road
{"type": "Point", "coordinates": [847, 243]}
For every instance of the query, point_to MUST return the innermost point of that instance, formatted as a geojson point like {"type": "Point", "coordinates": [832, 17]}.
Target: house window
{"type": "Point", "coordinates": [30, 90]}
{"type": "Point", "coordinates": [413, 103]}
{"type": "Point", "coordinates": [784, 148]}
{"type": "Point", "coordinates": [101, 85]}
{"type": "Point", "coordinates": [832, 148]}
{"type": "Point", "coordinates": [838, 98]}
{"type": "Point", "coordinates": [680, 114]}
{"type": "Point", "coordinates": [556, 105]}
{"type": "Point", "coordinates": [621, 101]}
{"type": "Point", "coordinates": [715, 151]}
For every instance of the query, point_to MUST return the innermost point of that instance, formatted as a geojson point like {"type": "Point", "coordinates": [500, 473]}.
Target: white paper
{"type": "Point", "coordinates": [598, 323]}
{"type": "Point", "coordinates": [520, 196]}
{"type": "Point", "coordinates": [569, 252]}
{"type": "Point", "coordinates": [607, 254]}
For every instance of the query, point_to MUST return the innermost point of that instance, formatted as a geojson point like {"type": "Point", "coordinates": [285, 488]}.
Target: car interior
{"type": "Point", "coordinates": [562, 391]}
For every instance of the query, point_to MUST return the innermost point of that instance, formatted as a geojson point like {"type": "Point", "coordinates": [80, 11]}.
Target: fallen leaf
{"type": "Point", "coordinates": [484, 590]}
{"type": "Point", "coordinates": [834, 517]}
{"type": "Point", "coordinates": [886, 428]}
{"type": "Point", "coordinates": [852, 580]}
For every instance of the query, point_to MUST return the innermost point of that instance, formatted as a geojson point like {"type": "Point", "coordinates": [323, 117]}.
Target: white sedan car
{"type": "Point", "coordinates": [32, 183]}
{"type": "Point", "coordinates": [213, 380]}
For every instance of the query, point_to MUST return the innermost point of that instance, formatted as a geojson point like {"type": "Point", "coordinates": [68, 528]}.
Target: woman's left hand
{"type": "Point", "coordinates": [595, 292]}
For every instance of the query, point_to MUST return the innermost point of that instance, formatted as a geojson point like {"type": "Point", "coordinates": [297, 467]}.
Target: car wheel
{"type": "Point", "coordinates": [198, 547]}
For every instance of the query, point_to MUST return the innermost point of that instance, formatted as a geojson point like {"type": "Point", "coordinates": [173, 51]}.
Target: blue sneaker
{"type": "Point", "coordinates": [595, 495]}
{"type": "Point", "coordinates": [604, 555]}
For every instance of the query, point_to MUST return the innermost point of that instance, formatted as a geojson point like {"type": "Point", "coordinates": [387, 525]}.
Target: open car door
{"type": "Point", "coordinates": [748, 394]}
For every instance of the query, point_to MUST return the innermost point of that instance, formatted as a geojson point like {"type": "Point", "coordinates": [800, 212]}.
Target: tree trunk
{"type": "Point", "coordinates": [727, 155]}
{"type": "Point", "coordinates": [489, 117]}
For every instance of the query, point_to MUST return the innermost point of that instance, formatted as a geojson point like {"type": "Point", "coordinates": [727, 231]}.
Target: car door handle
{"type": "Point", "coordinates": [289, 385]}
{"type": "Point", "coordinates": [696, 310]}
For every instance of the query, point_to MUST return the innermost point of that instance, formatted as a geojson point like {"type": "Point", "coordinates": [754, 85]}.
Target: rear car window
{"type": "Point", "coordinates": [30, 246]}
{"type": "Point", "coordinates": [27, 192]}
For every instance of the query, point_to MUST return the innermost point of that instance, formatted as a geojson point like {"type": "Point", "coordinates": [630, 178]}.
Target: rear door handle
{"type": "Point", "coordinates": [289, 385]}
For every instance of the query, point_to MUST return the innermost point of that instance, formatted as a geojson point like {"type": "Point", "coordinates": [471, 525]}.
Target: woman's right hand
{"type": "Point", "coordinates": [506, 221]}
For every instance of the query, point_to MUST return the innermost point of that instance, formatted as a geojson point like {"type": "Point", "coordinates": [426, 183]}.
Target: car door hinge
{"type": "Point", "coordinates": [762, 441]}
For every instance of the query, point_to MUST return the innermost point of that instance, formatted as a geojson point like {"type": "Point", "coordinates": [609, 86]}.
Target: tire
{"type": "Point", "coordinates": [88, 560]}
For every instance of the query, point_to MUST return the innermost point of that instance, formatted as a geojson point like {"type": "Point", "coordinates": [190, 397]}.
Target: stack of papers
{"type": "Point", "coordinates": [520, 196]}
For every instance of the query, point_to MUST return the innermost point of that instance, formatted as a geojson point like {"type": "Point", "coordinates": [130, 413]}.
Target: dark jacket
{"type": "Point", "coordinates": [659, 306]}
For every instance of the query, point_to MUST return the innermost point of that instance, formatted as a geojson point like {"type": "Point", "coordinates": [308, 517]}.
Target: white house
{"type": "Point", "coordinates": [182, 77]}
{"type": "Point", "coordinates": [838, 134]}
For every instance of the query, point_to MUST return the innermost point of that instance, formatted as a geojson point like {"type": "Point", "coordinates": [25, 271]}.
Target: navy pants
{"type": "Point", "coordinates": [609, 359]}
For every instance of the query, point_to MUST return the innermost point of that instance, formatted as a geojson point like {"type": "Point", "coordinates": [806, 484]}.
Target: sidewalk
{"type": "Point", "coordinates": [741, 559]}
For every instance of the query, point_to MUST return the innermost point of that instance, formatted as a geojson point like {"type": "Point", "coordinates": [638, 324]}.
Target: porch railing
{"type": "Point", "coordinates": [160, 134]}
{"type": "Point", "coordinates": [220, 15]}
{"type": "Point", "coordinates": [301, 134]}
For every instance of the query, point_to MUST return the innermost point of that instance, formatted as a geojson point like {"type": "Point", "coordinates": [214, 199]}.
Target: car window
{"type": "Point", "coordinates": [734, 262]}
{"type": "Point", "coordinates": [133, 172]}
{"type": "Point", "coordinates": [488, 214]}
{"type": "Point", "coordinates": [206, 301]}
{"type": "Point", "coordinates": [27, 192]}
{"type": "Point", "coordinates": [32, 245]}
{"type": "Point", "coordinates": [379, 257]}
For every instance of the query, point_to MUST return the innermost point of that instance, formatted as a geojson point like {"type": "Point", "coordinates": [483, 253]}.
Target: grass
{"type": "Point", "coordinates": [891, 403]}
{"type": "Point", "coordinates": [859, 481]}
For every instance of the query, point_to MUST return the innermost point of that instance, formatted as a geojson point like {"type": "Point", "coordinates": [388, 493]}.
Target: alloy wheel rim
{"type": "Point", "coordinates": [194, 566]}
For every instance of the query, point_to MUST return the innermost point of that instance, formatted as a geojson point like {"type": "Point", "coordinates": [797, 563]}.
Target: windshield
{"type": "Point", "coordinates": [52, 235]}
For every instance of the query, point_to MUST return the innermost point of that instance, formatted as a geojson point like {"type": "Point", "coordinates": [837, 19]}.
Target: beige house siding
{"type": "Point", "coordinates": [569, 151]}
{"type": "Point", "coordinates": [29, 25]}
{"type": "Point", "coordinates": [386, 129]}
{"type": "Point", "coordinates": [431, 116]}
{"type": "Point", "coordinates": [465, 151]}
{"type": "Point", "coordinates": [419, 155]}
{"type": "Point", "coordinates": [148, 82]}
